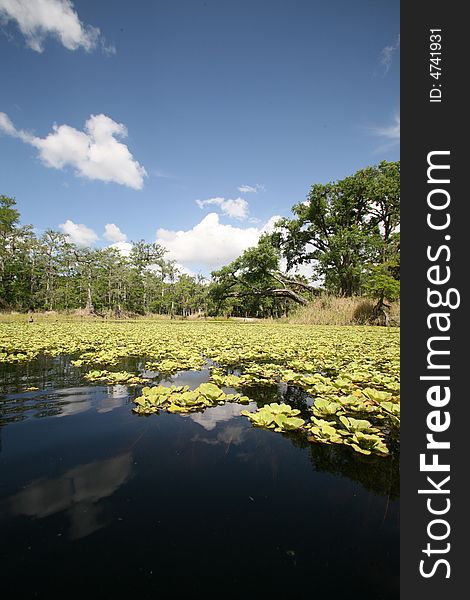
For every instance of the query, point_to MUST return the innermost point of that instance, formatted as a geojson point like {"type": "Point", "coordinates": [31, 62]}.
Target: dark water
{"type": "Point", "coordinates": [98, 499]}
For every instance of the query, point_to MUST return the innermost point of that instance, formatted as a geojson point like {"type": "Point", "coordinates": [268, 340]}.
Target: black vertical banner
{"type": "Point", "coordinates": [435, 429]}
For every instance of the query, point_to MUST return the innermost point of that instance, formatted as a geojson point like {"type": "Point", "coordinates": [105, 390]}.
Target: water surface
{"type": "Point", "coordinates": [93, 494]}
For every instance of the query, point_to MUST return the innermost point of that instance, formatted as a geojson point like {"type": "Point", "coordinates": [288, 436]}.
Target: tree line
{"type": "Point", "coordinates": [51, 273]}
{"type": "Point", "coordinates": [345, 232]}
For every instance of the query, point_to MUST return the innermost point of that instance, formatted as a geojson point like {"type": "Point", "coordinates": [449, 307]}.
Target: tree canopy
{"type": "Point", "coordinates": [256, 275]}
{"type": "Point", "coordinates": [344, 227]}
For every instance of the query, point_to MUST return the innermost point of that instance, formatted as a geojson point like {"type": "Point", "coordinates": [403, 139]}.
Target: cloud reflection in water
{"type": "Point", "coordinates": [77, 492]}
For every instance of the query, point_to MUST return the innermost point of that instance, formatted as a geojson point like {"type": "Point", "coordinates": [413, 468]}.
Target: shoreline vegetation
{"type": "Point", "coordinates": [323, 310]}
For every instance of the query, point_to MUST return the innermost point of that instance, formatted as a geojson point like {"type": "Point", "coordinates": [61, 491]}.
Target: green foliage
{"type": "Point", "coordinates": [367, 444]}
{"type": "Point", "coordinates": [256, 282]}
{"type": "Point", "coordinates": [180, 399]}
{"type": "Point", "coordinates": [9, 216]}
{"type": "Point", "coordinates": [324, 408]}
{"type": "Point", "coordinates": [16, 244]}
{"type": "Point", "coordinates": [324, 431]}
{"type": "Point", "coordinates": [345, 227]}
{"type": "Point", "coordinates": [381, 282]}
{"type": "Point", "coordinates": [113, 378]}
{"type": "Point", "coordinates": [50, 273]}
{"type": "Point", "coordinates": [280, 417]}
{"type": "Point", "coordinates": [359, 434]}
{"type": "Point", "coordinates": [357, 425]}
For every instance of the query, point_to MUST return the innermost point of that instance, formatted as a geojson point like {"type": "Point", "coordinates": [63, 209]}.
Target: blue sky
{"type": "Point", "coordinates": [125, 114]}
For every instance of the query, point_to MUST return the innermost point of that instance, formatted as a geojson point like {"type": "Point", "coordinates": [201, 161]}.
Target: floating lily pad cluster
{"type": "Point", "coordinates": [360, 434]}
{"type": "Point", "coordinates": [348, 372]}
{"type": "Point", "coordinates": [333, 396]}
{"type": "Point", "coordinates": [181, 399]}
{"type": "Point", "coordinates": [357, 433]}
{"type": "Point", "coordinates": [179, 362]}
{"type": "Point", "coordinates": [280, 417]}
{"type": "Point", "coordinates": [113, 377]}
{"type": "Point", "coordinates": [336, 406]}
{"type": "Point", "coordinates": [365, 351]}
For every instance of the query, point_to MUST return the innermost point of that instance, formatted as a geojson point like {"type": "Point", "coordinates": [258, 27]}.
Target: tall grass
{"type": "Point", "coordinates": [332, 310]}
{"type": "Point", "coordinates": [323, 310]}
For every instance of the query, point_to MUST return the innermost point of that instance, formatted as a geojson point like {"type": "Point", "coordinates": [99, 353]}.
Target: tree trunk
{"type": "Point", "coordinates": [89, 303]}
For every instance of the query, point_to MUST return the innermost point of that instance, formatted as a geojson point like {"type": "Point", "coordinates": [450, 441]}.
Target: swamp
{"type": "Point", "coordinates": [200, 299]}
{"type": "Point", "coordinates": [154, 451]}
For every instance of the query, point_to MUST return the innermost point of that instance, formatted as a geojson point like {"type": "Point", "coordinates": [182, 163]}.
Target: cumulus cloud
{"type": "Point", "coordinates": [123, 247]}
{"type": "Point", "coordinates": [246, 189]}
{"type": "Point", "coordinates": [78, 234]}
{"type": "Point", "coordinates": [182, 270]}
{"type": "Point", "coordinates": [37, 19]}
{"type": "Point", "coordinates": [386, 55]}
{"type": "Point", "coordinates": [391, 132]}
{"type": "Point", "coordinates": [112, 233]}
{"type": "Point", "coordinates": [94, 153]}
{"type": "Point", "coordinates": [235, 208]}
{"type": "Point", "coordinates": [210, 243]}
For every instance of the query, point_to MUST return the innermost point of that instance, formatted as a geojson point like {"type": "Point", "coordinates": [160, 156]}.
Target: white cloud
{"type": "Point", "coordinates": [235, 208]}
{"type": "Point", "coordinates": [6, 125]}
{"type": "Point", "coordinates": [246, 189]}
{"type": "Point", "coordinates": [123, 247]}
{"type": "Point", "coordinates": [391, 132]}
{"type": "Point", "coordinates": [94, 153]}
{"type": "Point", "coordinates": [268, 227]}
{"type": "Point", "coordinates": [112, 233]}
{"type": "Point", "coordinates": [184, 270]}
{"type": "Point", "coordinates": [79, 234]}
{"type": "Point", "coordinates": [386, 55]}
{"type": "Point", "coordinates": [210, 243]}
{"type": "Point", "coordinates": [37, 19]}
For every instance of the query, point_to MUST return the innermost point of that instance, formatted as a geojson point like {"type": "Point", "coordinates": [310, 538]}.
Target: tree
{"type": "Point", "coordinates": [382, 282]}
{"type": "Point", "coordinates": [113, 279]}
{"type": "Point", "coordinates": [144, 256]}
{"type": "Point", "coordinates": [344, 226]}
{"type": "Point", "coordinates": [256, 277]}
{"type": "Point", "coordinates": [87, 261]}
{"type": "Point", "coordinates": [15, 245]}
{"type": "Point", "coordinates": [9, 216]}
{"type": "Point", "coordinates": [49, 260]}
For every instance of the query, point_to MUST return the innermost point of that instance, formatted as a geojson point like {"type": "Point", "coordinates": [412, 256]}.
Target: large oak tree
{"type": "Point", "coordinates": [345, 226]}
